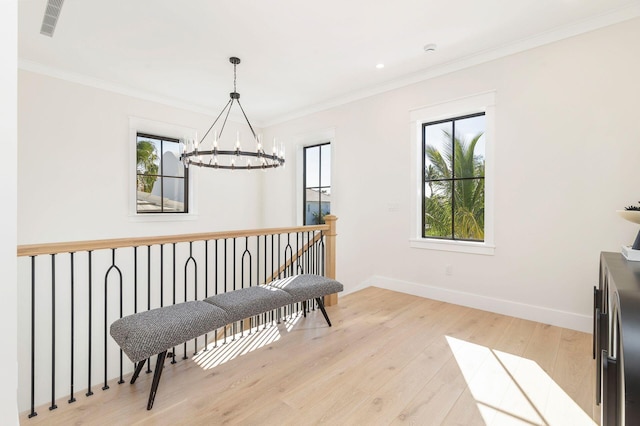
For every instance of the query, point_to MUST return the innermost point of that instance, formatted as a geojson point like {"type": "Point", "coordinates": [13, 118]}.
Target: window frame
{"type": "Point", "coordinates": [304, 178]}
{"type": "Point", "coordinates": [312, 137]}
{"type": "Point", "coordinates": [453, 179]}
{"type": "Point", "coordinates": [161, 175]}
{"type": "Point", "coordinates": [480, 103]}
{"type": "Point", "coordinates": [169, 131]}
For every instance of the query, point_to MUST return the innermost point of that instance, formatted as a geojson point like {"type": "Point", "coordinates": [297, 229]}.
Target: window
{"type": "Point", "coordinates": [161, 178]}
{"type": "Point", "coordinates": [453, 175]}
{"type": "Point", "coordinates": [316, 183]}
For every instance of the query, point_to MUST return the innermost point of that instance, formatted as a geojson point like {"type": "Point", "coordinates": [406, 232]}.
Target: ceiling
{"type": "Point", "coordinates": [297, 56]}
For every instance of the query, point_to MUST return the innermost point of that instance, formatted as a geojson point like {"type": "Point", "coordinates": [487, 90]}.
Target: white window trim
{"type": "Point", "coordinates": [483, 102]}
{"type": "Point", "coordinates": [310, 139]}
{"type": "Point", "coordinates": [143, 125]}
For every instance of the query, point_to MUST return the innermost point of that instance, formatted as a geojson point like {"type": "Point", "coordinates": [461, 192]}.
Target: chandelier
{"type": "Point", "coordinates": [199, 153]}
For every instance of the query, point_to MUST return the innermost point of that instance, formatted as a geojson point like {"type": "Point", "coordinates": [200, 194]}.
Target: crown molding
{"type": "Point", "coordinates": [541, 39]}
{"type": "Point", "coordinates": [97, 83]}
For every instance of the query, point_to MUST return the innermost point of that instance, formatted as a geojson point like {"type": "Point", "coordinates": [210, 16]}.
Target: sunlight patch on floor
{"type": "Point", "coordinates": [242, 343]}
{"type": "Point", "coordinates": [513, 390]}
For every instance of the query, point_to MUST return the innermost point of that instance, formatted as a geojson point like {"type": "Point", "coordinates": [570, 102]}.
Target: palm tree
{"type": "Point", "coordinates": [460, 193]}
{"type": "Point", "coordinates": [146, 165]}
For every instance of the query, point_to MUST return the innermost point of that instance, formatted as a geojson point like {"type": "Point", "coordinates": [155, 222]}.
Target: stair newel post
{"type": "Point", "coordinates": [330, 250]}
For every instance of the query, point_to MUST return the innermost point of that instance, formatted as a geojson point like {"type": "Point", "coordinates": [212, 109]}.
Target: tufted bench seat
{"type": "Point", "coordinates": [153, 332]}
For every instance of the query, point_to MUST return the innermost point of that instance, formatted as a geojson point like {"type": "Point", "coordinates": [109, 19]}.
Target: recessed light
{"type": "Point", "coordinates": [380, 66]}
{"type": "Point", "coordinates": [431, 47]}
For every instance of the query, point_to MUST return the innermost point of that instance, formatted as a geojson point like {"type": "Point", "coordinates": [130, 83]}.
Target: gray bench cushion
{"type": "Point", "coordinates": [151, 332]}
{"type": "Point", "coordinates": [148, 333]}
{"type": "Point", "coordinates": [307, 286]}
{"type": "Point", "coordinates": [247, 302]}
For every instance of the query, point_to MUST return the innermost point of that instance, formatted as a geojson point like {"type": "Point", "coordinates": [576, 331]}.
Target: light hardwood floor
{"type": "Point", "coordinates": [390, 358]}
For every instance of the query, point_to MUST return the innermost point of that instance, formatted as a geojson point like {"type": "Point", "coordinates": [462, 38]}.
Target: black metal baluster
{"type": "Point", "coordinates": [206, 283]}
{"type": "Point", "coordinates": [173, 350]}
{"type": "Point", "coordinates": [195, 288]}
{"type": "Point", "coordinates": [273, 314]}
{"type": "Point", "coordinates": [135, 289]}
{"type": "Point", "coordinates": [246, 252]}
{"type": "Point", "coordinates": [264, 316]}
{"type": "Point", "coordinates": [234, 264]}
{"type": "Point", "coordinates": [322, 272]}
{"type": "Point", "coordinates": [225, 282]}
{"type": "Point", "coordinates": [161, 275]}
{"type": "Point", "coordinates": [298, 265]}
{"type": "Point", "coordinates": [53, 333]}
{"type": "Point", "coordinates": [235, 267]}
{"type": "Point", "coordinates": [148, 370]}
{"type": "Point", "coordinates": [313, 255]}
{"type": "Point", "coordinates": [257, 317]}
{"type": "Point", "coordinates": [33, 336]}
{"type": "Point", "coordinates": [288, 258]}
{"type": "Point", "coordinates": [215, 291]}
{"type": "Point", "coordinates": [135, 280]}
{"type": "Point", "coordinates": [279, 275]}
{"type": "Point", "coordinates": [71, 397]}
{"type": "Point", "coordinates": [121, 381]}
{"type": "Point", "coordinates": [106, 324]}
{"type": "Point", "coordinates": [308, 252]}
{"type": "Point", "coordinates": [299, 270]}
{"type": "Point", "coordinates": [279, 262]}
{"type": "Point", "coordinates": [89, 391]}
{"type": "Point", "coordinates": [195, 280]}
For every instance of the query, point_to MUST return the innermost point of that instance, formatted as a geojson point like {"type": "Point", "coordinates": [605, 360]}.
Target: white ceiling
{"type": "Point", "coordinates": [297, 56]}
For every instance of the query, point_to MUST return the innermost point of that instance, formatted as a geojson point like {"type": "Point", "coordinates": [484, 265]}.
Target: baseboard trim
{"type": "Point", "coordinates": [501, 306]}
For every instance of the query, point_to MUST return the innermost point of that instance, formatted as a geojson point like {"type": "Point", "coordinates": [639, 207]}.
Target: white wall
{"type": "Point", "coordinates": [8, 174]}
{"type": "Point", "coordinates": [566, 155]}
{"type": "Point", "coordinates": [74, 160]}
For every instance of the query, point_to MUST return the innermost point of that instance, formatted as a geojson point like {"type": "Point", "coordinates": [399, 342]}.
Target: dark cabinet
{"type": "Point", "coordinates": [616, 340]}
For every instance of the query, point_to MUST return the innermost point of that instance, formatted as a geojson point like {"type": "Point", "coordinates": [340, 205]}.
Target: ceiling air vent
{"type": "Point", "coordinates": [50, 18]}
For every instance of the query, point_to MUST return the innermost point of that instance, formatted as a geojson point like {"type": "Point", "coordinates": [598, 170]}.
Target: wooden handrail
{"type": "Point", "coordinates": [77, 246]}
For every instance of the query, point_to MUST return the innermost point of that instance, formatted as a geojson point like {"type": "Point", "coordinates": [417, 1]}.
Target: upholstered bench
{"type": "Point", "coordinates": [154, 332]}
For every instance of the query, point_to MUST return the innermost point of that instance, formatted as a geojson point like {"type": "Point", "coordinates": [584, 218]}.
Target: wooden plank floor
{"type": "Point", "coordinates": [390, 358]}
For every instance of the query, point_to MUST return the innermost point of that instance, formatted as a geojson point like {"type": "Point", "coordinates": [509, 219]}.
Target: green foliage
{"type": "Point", "coordinates": [146, 165]}
{"type": "Point", "coordinates": [467, 195]}
{"type": "Point", "coordinates": [318, 217]}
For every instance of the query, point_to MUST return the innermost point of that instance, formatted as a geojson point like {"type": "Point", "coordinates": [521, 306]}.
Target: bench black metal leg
{"type": "Point", "coordinates": [136, 373]}
{"type": "Point", "coordinates": [304, 308]}
{"type": "Point", "coordinates": [321, 305]}
{"type": "Point", "coordinates": [156, 378]}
